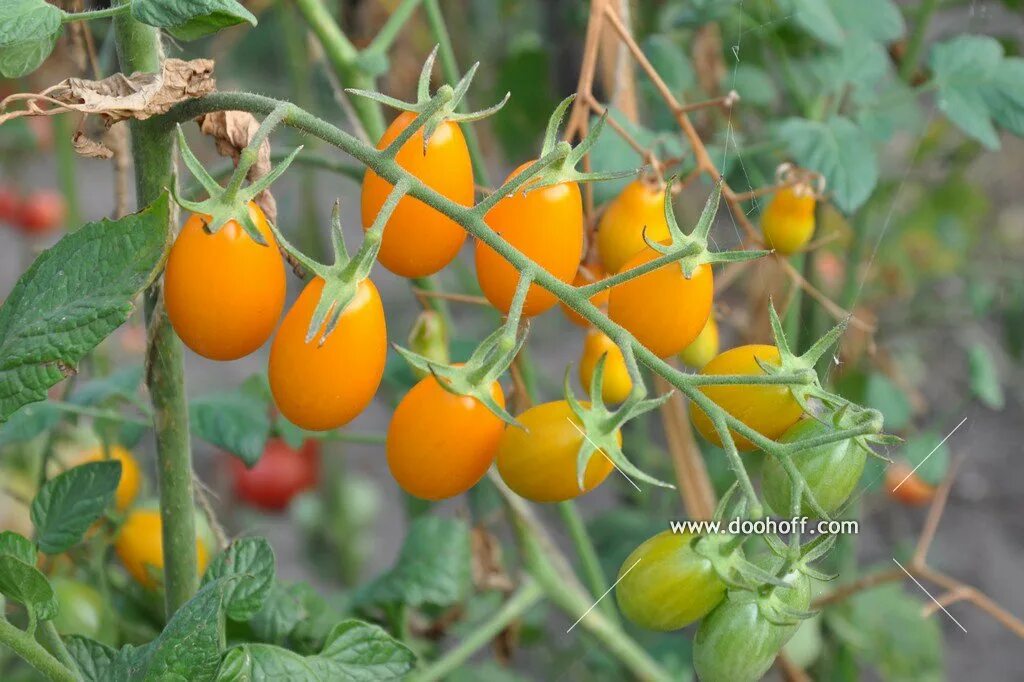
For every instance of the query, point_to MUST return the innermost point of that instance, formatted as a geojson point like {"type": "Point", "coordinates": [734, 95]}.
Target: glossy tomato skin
{"type": "Point", "coordinates": [769, 409]}
{"type": "Point", "coordinates": [662, 309]}
{"type": "Point", "coordinates": [665, 585]}
{"type": "Point", "coordinates": [546, 224]}
{"type": "Point", "coordinates": [324, 387]}
{"type": "Point", "coordinates": [906, 487]}
{"type": "Point", "coordinates": [81, 611]}
{"type": "Point", "coordinates": [40, 212]}
{"type": "Point", "coordinates": [539, 463]}
{"type": "Point", "coordinates": [617, 382]}
{"type": "Point", "coordinates": [587, 274]}
{"type": "Point", "coordinates": [224, 293]}
{"type": "Point", "coordinates": [736, 643]}
{"type": "Point", "coordinates": [788, 220]}
{"type": "Point", "coordinates": [281, 473]}
{"type": "Point", "coordinates": [831, 471]}
{"type": "Point", "coordinates": [703, 348]}
{"type": "Point", "coordinates": [418, 240]}
{"type": "Point", "coordinates": [638, 210]}
{"type": "Point", "coordinates": [139, 545]}
{"type": "Point", "coordinates": [439, 444]}
{"type": "Point", "coordinates": [131, 474]}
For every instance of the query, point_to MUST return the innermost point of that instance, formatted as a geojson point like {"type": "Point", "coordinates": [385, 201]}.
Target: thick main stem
{"type": "Point", "coordinates": [34, 654]}
{"type": "Point", "coordinates": [138, 48]}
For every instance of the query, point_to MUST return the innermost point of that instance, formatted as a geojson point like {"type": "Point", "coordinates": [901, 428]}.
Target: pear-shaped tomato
{"type": "Point", "coordinates": [788, 220]}
{"type": "Point", "coordinates": [321, 387]}
{"type": "Point", "coordinates": [637, 212]}
{"type": "Point", "coordinates": [617, 382]}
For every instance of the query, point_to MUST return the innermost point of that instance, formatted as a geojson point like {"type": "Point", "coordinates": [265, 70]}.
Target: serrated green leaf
{"type": "Point", "coordinates": [354, 651]}
{"type": "Point", "coordinates": [98, 662]}
{"type": "Point", "coordinates": [861, 64]}
{"type": "Point", "coordinates": [1006, 97]}
{"type": "Point", "coordinates": [28, 422]}
{"type": "Point", "coordinates": [190, 645]}
{"type": "Point", "coordinates": [964, 68]}
{"type": "Point", "coordinates": [72, 297]}
{"type": "Point", "coordinates": [191, 19]}
{"type": "Point", "coordinates": [423, 574]}
{"type": "Point", "coordinates": [28, 32]}
{"type": "Point", "coordinates": [70, 502]}
{"type": "Point", "coordinates": [839, 150]}
{"type": "Point", "coordinates": [17, 546]}
{"type": "Point", "coordinates": [816, 18]}
{"type": "Point", "coordinates": [236, 421]}
{"type": "Point", "coordinates": [25, 584]}
{"type": "Point", "coordinates": [252, 560]}
{"type": "Point", "coordinates": [282, 610]}
{"type": "Point", "coordinates": [984, 375]}
{"type": "Point", "coordinates": [882, 112]}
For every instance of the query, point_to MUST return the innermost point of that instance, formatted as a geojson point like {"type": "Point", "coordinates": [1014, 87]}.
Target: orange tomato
{"type": "Point", "coordinates": [538, 462]}
{"type": "Point", "coordinates": [905, 486]}
{"type": "Point", "coordinates": [545, 224]}
{"type": "Point", "coordinates": [704, 347]}
{"type": "Point", "coordinates": [587, 274]}
{"type": "Point", "coordinates": [638, 209]}
{"type": "Point", "coordinates": [769, 409]}
{"type": "Point", "coordinates": [128, 486]}
{"type": "Point", "coordinates": [440, 444]}
{"type": "Point", "coordinates": [662, 309]}
{"type": "Point", "coordinates": [418, 240]}
{"type": "Point", "coordinates": [224, 292]}
{"type": "Point", "coordinates": [140, 547]}
{"type": "Point", "coordinates": [788, 220]}
{"type": "Point", "coordinates": [324, 387]}
{"type": "Point", "coordinates": [617, 382]}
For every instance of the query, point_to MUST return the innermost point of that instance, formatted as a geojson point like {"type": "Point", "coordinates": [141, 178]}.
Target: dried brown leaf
{"type": "Point", "coordinates": [87, 147]}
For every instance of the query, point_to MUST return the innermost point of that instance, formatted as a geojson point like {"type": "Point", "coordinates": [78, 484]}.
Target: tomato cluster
{"type": "Point", "coordinates": [36, 213]}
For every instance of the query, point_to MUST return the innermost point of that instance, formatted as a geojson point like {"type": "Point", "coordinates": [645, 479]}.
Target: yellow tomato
{"type": "Point", "coordinates": [131, 475]}
{"type": "Point", "coordinates": [704, 347]}
{"type": "Point", "coordinates": [639, 209]}
{"type": "Point", "coordinates": [587, 274]}
{"type": "Point", "coordinates": [788, 220]}
{"type": "Point", "coordinates": [617, 382]}
{"type": "Point", "coordinates": [140, 547]}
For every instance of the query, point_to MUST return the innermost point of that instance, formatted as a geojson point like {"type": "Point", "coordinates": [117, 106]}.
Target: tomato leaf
{"type": "Point", "coordinates": [28, 32]}
{"type": "Point", "coordinates": [17, 546]}
{"type": "Point", "coordinates": [25, 584]}
{"type": "Point", "coordinates": [423, 575]}
{"type": "Point", "coordinates": [282, 610]}
{"type": "Point", "coordinates": [236, 421]}
{"type": "Point", "coordinates": [817, 19]}
{"type": "Point", "coordinates": [354, 650]}
{"type": "Point", "coordinates": [190, 645]}
{"type": "Point", "coordinates": [69, 503]}
{"type": "Point", "coordinates": [28, 422]}
{"type": "Point", "coordinates": [97, 662]}
{"type": "Point", "coordinates": [253, 560]}
{"type": "Point", "coordinates": [191, 19]}
{"type": "Point", "coordinates": [985, 377]}
{"type": "Point", "coordinates": [72, 297]}
{"type": "Point", "coordinates": [879, 20]}
{"type": "Point", "coordinates": [839, 150]}
{"type": "Point", "coordinates": [886, 397]}
{"type": "Point", "coordinates": [122, 384]}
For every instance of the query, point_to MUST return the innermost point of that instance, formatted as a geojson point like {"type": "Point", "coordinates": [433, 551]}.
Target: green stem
{"type": "Point", "coordinates": [528, 595]}
{"type": "Point", "coordinates": [389, 31]}
{"type": "Point", "coordinates": [97, 412]}
{"type": "Point", "coordinates": [910, 58]}
{"type": "Point", "coordinates": [65, 156]}
{"type": "Point", "coordinates": [451, 73]}
{"type": "Point", "coordinates": [68, 17]}
{"type": "Point", "coordinates": [50, 638]}
{"type": "Point", "coordinates": [139, 49]}
{"type": "Point", "coordinates": [593, 574]}
{"type": "Point", "coordinates": [344, 58]}
{"type": "Point", "coordinates": [34, 654]}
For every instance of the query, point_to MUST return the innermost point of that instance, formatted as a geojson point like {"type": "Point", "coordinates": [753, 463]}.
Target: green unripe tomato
{"type": "Point", "coordinates": [737, 643]}
{"type": "Point", "coordinates": [81, 611]}
{"type": "Point", "coordinates": [666, 584]}
{"type": "Point", "coordinates": [831, 471]}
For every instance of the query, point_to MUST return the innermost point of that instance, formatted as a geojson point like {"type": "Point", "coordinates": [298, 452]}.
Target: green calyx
{"type": "Point", "coordinates": [600, 425]}
{"type": "Point", "coordinates": [446, 112]}
{"type": "Point", "coordinates": [343, 277]}
{"type": "Point", "coordinates": [692, 249]}
{"type": "Point", "coordinates": [489, 360]}
{"type": "Point", "coordinates": [231, 202]}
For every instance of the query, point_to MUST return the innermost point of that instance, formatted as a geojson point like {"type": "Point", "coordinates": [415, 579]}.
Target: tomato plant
{"type": "Point", "coordinates": [131, 475]}
{"type": "Point", "coordinates": [587, 274]}
{"type": "Point", "coordinates": [904, 486]}
{"type": "Point", "coordinates": [704, 348]}
{"type": "Point", "coordinates": [83, 611]}
{"type": "Point", "coordinates": [440, 444]}
{"type": "Point", "coordinates": [281, 473]}
{"type": "Point", "coordinates": [538, 459]}
{"type": "Point", "coordinates": [635, 215]}
{"type": "Point", "coordinates": [617, 382]}
{"type": "Point", "coordinates": [40, 212]}
{"type": "Point", "coordinates": [139, 545]}
{"type": "Point", "coordinates": [224, 292]}
{"type": "Point", "coordinates": [788, 220]}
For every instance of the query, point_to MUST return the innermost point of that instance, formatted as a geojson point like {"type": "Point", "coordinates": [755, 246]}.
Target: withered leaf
{"type": "Point", "coordinates": [85, 146]}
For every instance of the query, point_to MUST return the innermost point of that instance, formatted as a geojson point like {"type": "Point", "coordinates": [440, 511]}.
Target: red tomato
{"type": "Point", "coordinates": [40, 212]}
{"type": "Point", "coordinates": [546, 224]}
{"type": "Point", "coordinates": [418, 240]}
{"type": "Point", "coordinates": [279, 475]}
{"type": "Point", "coordinates": [10, 201]}
{"type": "Point", "coordinates": [906, 487]}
